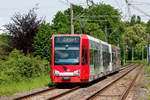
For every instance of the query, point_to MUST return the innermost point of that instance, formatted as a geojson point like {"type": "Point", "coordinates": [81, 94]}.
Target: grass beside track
{"type": "Point", "coordinates": [148, 78]}
{"type": "Point", "coordinates": [7, 89]}
{"type": "Point", "coordinates": [147, 84]}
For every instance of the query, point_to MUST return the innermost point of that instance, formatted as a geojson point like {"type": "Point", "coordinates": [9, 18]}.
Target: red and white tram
{"type": "Point", "coordinates": [82, 58]}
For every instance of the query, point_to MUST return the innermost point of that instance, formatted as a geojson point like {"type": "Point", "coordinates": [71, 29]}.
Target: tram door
{"type": "Point", "coordinates": [84, 60]}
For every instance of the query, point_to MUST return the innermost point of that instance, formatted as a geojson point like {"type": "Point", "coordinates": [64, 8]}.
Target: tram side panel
{"type": "Point", "coordinates": [118, 65]}
{"type": "Point", "coordinates": [106, 58]}
{"type": "Point", "coordinates": [95, 60]}
{"type": "Point", "coordinates": [84, 72]}
{"type": "Point", "coordinates": [110, 62]}
{"type": "Point", "coordinates": [113, 58]}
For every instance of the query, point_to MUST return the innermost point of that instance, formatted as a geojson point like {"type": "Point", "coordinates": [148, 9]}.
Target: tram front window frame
{"type": "Point", "coordinates": [67, 50]}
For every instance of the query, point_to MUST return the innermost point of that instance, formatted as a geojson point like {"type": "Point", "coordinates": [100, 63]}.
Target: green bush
{"type": "Point", "coordinates": [18, 67]}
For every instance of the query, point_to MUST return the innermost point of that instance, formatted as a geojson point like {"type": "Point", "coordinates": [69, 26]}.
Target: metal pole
{"type": "Point", "coordinates": [106, 38]}
{"type": "Point", "coordinates": [132, 53]}
{"type": "Point", "coordinates": [82, 27]}
{"type": "Point", "coordinates": [149, 50]}
{"type": "Point", "coordinates": [124, 52]}
{"type": "Point", "coordinates": [142, 53]}
{"type": "Point", "coordinates": [72, 25]}
{"type": "Point", "coordinates": [118, 42]}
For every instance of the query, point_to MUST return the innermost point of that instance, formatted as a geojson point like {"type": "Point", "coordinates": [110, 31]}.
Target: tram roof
{"type": "Point", "coordinates": [82, 35]}
{"type": "Point", "coordinates": [97, 40]}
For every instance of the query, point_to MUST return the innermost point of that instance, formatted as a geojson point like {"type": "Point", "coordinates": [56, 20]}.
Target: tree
{"type": "Point", "coordinates": [138, 21]}
{"type": "Point", "coordinates": [5, 47]}
{"type": "Point", "coordinates": [4, 40]}
{"type": "Point", "coordinates": [61, 22]}
{"type": "Point", "coordinates": [133, 20]}
{"type": "Point", "coordinates": [42, 41]}
{"type": "Point", "coordinates": [22, 29]}
{"type": "Point", "coordinates": [135, 37]}
{"type": "Point", "coordinates": [94, 30]}
{"type": "Point", "coordinates": [108, 18]}
{"type": "Point", "coordinates": [148, 26]}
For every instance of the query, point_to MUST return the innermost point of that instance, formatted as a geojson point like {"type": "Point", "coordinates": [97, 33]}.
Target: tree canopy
{"type": "Point", "coordinates": [42, 41]}
{"type": "Point", "coordinates": [22, 29]}
{"type": "Point", "coordinates": [94, 21]}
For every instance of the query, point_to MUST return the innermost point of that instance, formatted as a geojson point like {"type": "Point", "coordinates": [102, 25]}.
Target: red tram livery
{"type": "Point", "coordinates": [82, 58]}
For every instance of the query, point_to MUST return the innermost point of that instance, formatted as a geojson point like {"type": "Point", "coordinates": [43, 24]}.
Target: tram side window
{"type": "Point", "coordinates": [104, 58]}
{"type": "Point", "coordinates": [119, 55]}
{"type": "Point", "coordinates": [108, 58]}
{"type": "Point", "coordinates": [91, 56]}
{"type": "Point", "coordinates": [84, 56]}
{"type": "Point", "coordinates": [113, 58]}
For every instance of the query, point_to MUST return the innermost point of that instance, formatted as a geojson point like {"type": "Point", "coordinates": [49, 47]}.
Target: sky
{"type": "Point", "coordinates": [48, 8]}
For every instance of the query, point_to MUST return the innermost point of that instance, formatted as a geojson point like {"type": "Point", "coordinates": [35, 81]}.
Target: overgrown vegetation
{"type": "Point", "coordinates": [19, 69]}
{"type": "Point", "coordinates": [12, 87]}
{"type": "Point", "coordinates": [147, 68]}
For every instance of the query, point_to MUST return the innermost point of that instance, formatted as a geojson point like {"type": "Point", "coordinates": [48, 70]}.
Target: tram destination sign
{"type": "Point", "coordinates": [67, 39]}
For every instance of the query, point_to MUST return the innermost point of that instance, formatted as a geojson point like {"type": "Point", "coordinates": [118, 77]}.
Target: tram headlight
{"type": "Point", "coordinates": [77, 72]}
{"type": "Point", "coordinates": [56, 73]}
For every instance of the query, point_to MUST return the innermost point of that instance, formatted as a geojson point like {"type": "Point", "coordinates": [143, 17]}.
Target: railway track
{"type": "Point", "coordinates": [34, 93]}
{"type": "Point", "coordinates": [56, 93]}
{"type": "Point", "coordinates": [49, 94]}
{"type": "Point", "coordinates": [129, 65]}
{"type": "Point", "coordinates": [64, 93]}
{"type": "Point", "coordinates": [122, 96]}
{"type": "Point", "coordinates": [126, 92]}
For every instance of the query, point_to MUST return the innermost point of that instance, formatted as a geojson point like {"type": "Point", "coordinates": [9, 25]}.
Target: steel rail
{"type": "Point", "coordinates": [129, 65]}
{"type": "Point", "coordinates": [109, 84]}
{"type": "Point", "coordinates": [35, 93]}
{"type": "Point", "coordinates": [126, 92]}
{"type": "Point", "coordinates": [64, 93]}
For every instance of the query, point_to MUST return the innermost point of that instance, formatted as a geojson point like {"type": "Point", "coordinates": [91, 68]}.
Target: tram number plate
{"type": "Point", "coordinates": [66, 78]}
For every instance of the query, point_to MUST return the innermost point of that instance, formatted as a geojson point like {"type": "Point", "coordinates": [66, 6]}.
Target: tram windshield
{"type": "Point", "coordinates": [66, 50]}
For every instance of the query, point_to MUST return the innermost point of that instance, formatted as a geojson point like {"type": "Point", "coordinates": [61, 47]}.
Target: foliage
{"type": "Point", "coordinates": [5, 47]}
{"type": "Point", "coordinates": [94, 30]}
{"type": "Point", "coordinates": [135, 36]}
{"type": "Point", "coordinates": [4, 39]}
{"type": "Point", "coordinates": [5, 42]}
{"type": "Point", "coordinates": [107, 18]}
{"type": "Point", "coordinates": [135, 20]}
{"type": "Point", "coordinates": [148, 27]}
{"type": "Point", "coordinates": [42, 41]}
{"type": "Point", "coordinates": [92, 23]}
{"type": "Point", "coordinates": [22, 29]}
{"type": "Point", "coordinates": [61, 21]}
{"type": "Point", "coordinates": [18, 67]}
{"type": "Point", "coordinates": [11, 87]}
{"type": "Point", "coordinates": [138, 21]}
